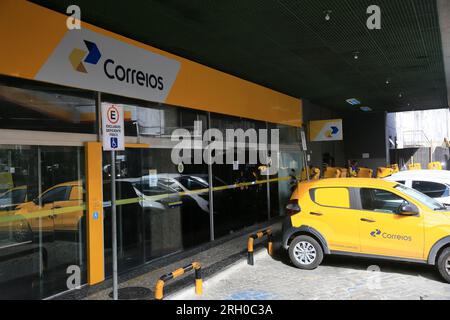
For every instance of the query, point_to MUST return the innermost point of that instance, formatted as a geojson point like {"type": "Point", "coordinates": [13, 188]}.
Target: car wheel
{"type": "Point", "coordinates": [305, 252]}
{"type": "Point", "coordinates": [443, 264]}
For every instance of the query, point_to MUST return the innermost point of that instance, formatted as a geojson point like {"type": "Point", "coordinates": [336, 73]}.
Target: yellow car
{"type": "Point", "coordinates": [368, 218]}
{"type": "Point", "coordinates": [51, 211]}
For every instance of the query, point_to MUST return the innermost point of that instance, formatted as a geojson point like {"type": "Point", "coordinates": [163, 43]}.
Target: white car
{"type": "Point", "coordinates": [433, 183]}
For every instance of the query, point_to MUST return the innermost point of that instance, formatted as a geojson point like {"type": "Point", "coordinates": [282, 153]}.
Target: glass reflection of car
{"type": "Point", "coordinates": [159, 196]}
{"type": "Point", "coordinates": [41, 215]}
{"type": "Point", "coordinates": [189, 183]}
{"type": "Point", "coordinates": [185, 187]}
{"type": "Point", "coordinates": [13, 197]}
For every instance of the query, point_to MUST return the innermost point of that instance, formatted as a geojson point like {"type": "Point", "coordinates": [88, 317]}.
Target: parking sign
{"type": "Point", "coordinates": [113, 128]}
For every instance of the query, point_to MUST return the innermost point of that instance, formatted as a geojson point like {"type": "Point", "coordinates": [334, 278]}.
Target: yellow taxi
{"type": "Point", "coordinates": [58, 209]}
{"type": "Point", "coordinates": [368, 218]}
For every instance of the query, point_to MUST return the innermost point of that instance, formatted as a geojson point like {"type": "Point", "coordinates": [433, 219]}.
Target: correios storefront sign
{"type": "Point", "coordinates": [39, 46]}
{"type": "Point", "coordinates": [86, 59]}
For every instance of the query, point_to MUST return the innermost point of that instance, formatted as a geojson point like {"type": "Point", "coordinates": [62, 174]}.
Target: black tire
{"type": "Point", "coordinates": [443, 264]}
{"type": "Point", "coordinates": [307, 241]}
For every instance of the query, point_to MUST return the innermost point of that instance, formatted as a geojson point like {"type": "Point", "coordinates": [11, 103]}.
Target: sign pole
{"type": "Point", "coordinates": [113, 140]}
{"type": "Point", "coordinates": [114, 223]}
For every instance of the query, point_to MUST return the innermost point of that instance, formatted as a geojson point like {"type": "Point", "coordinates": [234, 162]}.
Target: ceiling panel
{"type": "Point", "coordinates": [287, 45]}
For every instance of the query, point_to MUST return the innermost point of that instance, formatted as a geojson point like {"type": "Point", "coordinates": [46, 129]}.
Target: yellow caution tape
{"type": "Point", "coordinates": [11, 216]}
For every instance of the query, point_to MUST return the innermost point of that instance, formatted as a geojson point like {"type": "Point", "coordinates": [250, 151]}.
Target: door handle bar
{"type": "Point", "coordinates": [367, 220]}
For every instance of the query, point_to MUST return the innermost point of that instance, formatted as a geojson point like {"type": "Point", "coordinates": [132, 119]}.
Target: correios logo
{"type": "Point", "coordinates": [375, 233]}
{"type": "Point", "coordinates": [332, 131]}
{"type": "Point", "coordinates": [113, 70]}
{"type": "Point", "coordinates": [389, 236]}
{"type": "Point", "coordinates": [78, 56]}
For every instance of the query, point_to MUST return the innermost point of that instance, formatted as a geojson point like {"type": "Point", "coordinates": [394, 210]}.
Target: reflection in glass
{"type": "Point", "coordinates": [42, 225]}
{"type": "Point", "coordinates": [281, 190]}
{"type": "Point", "coordinates": [160, 211]}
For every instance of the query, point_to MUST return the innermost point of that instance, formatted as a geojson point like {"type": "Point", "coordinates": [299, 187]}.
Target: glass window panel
{"type": "Point", "coordinates": [30, 105]}
{"type": "Point", "coordinates": [170, 210]}
{"type": "Point", "coordinates": [431, 189]}
{"type": "Point", "coordinates": [42, 223]}
{"type": "Point", "coordinates": [149, 119]}
{"type": "Point", "coordinates": [381, 200]}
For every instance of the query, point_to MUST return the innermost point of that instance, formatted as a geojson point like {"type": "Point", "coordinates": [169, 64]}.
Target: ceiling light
{"type": "Point", "coordinates": [327, 15]}
{"type": "Point", "coordinates": [365, 109]}
{"type": "Point", "coordinates": [388, 81]}
{"type": "Point", "coordinates": [353, 101]}
{"type": "Point", "coordinates": [400, 95]}
{"type": "Point", "coordinates": [356, 55]}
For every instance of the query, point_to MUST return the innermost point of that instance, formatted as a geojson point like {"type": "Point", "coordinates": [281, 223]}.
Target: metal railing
{"type": "Point", "coordinates": [196, 266]}
{"type": "Point", "coordinates": [251, 240]}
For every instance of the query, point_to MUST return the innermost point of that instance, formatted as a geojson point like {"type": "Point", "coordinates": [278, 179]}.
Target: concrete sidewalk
{"type": "Point", "coordinates": [214, 257]}
{"type": "Point", "coordinates": [338, 278]}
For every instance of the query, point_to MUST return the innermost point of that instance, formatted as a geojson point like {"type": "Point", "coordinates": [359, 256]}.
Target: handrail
{"type": "Point", "coordinates": [252, 238]}
{"type": "Point", "coordinates": [159, 288]}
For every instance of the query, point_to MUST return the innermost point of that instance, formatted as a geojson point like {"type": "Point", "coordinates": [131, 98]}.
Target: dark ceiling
{"type": "Point", "coordinates": [287, 45]}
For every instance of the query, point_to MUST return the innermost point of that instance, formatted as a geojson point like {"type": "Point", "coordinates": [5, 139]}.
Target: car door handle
{"type": "Point", "coordinates": [367, 220]}
{"type": "Point", "coordinates": [316, 214]}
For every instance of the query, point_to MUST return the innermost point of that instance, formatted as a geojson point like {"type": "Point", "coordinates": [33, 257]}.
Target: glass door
{"type": "Point", "coordinates": [41, 219]}
{"type": "Point", "coordinates": [290, 167]}
{"type": "Point", "coordinates": [130, 223]}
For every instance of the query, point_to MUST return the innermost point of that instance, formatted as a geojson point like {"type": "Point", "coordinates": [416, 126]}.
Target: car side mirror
{"type": "Point", "coordinates": [409, 210]}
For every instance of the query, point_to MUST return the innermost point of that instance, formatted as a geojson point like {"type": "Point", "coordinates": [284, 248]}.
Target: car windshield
{"type": "Point", "coordinates": [15, 196]}
{"type": "Point", "coordinates": [422, 198]}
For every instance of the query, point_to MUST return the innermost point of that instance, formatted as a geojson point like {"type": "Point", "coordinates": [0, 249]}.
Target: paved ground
{"type": "Point", "coordinates": [214, 259]}
{"type": "Point", "coordinates": [337, 278]}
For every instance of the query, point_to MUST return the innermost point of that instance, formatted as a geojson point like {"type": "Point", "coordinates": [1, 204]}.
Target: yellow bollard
{"type": "Point", "coordinates": [196, 266]}
{"type": "Point", "coordinates": [198, 287]}
{"type": "Point", "coordinates": [250, 242]}
{"type": "Point", "coordinates": [159, 290]}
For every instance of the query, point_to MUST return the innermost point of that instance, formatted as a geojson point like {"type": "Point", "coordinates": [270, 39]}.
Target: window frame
{"type": "Point", "coordinates": [350, 194]}
{"type": "Point", "coordinates": [358, 192]}
{"type": "Point", "coordinates": [66, 196]}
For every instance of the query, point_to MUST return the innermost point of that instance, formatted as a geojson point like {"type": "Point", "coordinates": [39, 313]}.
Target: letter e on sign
{"type": "Point", "coordinates": [113, 127]}
{"type": "Point", "coordinates": [113, 115]}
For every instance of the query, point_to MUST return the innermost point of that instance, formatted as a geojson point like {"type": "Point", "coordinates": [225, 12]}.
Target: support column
{"type": "Point", "coordinates": [94, 213]}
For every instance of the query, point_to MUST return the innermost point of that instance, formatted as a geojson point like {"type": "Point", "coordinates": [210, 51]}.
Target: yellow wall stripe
{"type": "Point", "coordinates": [29, 34]}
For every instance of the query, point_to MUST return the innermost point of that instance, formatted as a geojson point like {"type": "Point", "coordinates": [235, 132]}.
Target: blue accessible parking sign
{"type": "Point", "coordinates": [114, 143]}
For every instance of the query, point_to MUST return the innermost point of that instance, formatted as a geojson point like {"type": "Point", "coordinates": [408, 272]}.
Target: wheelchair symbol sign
{"type": "Point", "coordinates": [114, 143]}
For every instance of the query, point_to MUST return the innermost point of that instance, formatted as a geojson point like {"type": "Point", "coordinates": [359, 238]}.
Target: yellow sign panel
{"type": "Point", "coordinates": [96, 59]}
{"type": "Point", "coordinates": [326, 130]}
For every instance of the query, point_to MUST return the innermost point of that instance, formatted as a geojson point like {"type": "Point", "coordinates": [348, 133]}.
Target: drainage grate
{"type": "Point", "coordinates": [133, 293]}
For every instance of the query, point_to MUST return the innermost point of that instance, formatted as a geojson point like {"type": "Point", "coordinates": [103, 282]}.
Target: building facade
{"type": "Point", "coordinates": [55, 180]}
